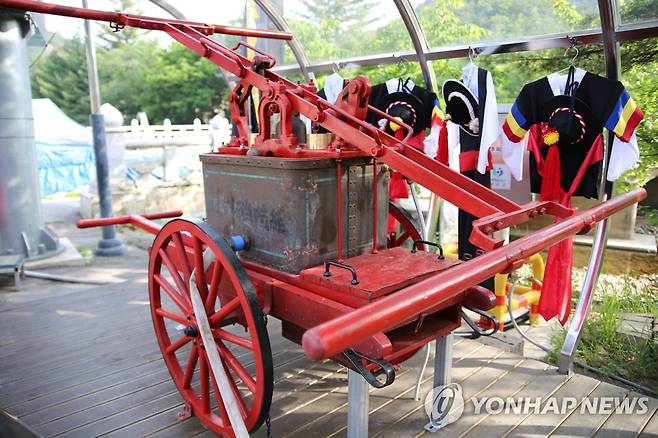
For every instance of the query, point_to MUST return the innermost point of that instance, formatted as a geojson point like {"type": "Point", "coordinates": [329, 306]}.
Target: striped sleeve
{"type": "Point", "coordinates": [515, 125]}
{"type": "Point", "coordinates": [625, 117]}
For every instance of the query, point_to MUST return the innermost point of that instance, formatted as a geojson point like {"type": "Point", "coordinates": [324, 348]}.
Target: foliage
{"type": "Point", "coordinates": [121, 74]}
{"type": "Point", "coordinates": [181, 86]}
{"type": "Point", "coordinates": [604, 346]}
{"type": "Point", "coordinates": [61, 76]}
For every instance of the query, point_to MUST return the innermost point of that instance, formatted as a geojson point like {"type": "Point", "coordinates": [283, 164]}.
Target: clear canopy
{"type": "Point", "coordinates": [373, 32]}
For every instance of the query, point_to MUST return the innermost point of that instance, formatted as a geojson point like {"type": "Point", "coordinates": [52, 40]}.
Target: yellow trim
{"type": "Point", "coordinates": [626, 114]}
{"type": "Point", "coordinates": [514, 126]}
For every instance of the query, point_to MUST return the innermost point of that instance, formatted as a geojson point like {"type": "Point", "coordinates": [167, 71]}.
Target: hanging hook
{"type": "Point", "coordinates": [572, 46]}
{"type": "Point", "coordinates": [473, 53]}
{"type": "Point", "coordinates": [402, 63]}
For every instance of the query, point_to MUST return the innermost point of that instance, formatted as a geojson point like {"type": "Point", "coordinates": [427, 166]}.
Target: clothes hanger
{"type": "Point", "coordinates": [574, 47]}
{"type": "Point", "coordinates": [473, 53]}
{"type": "Point", "coordinates": [402, 83]}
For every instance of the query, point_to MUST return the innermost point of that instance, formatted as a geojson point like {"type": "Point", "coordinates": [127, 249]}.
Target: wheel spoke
{"type": "Point", "coordinates": [198, 268]}
{"type": "Point", "coordinates": [234, 363]}
{"type": "Point", "coordinates": [203, 377]}
{"type": "Point", "coordinates": [400, 240]}
{"type": "Point", "coordinates": [173, 294]}
{"type": "Point", "coordinates": [178, 344]}
{"type": "Point", "coordinates": [233, 338]}
{"type": "Point", "coordinates": [179, 247]}
{"type": "Point", "coordinates": [217, 271]}
{"type": "Point", "coordinates": [229, 307]}
{"type": "Point", "coordinates": [191, 365]}
{"type": "Point", "coordinates": [176, 276]}
{"type": "Point", "coordinates": [171, 315]}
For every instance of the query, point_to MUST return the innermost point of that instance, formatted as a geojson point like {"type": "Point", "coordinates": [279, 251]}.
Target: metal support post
{"type": "Point", "coordinates": [442, 375]}
{"type": "Point", "coordinates": [357, 405]}
{"type": "Point", "coordinates": [607, 12]}
{"type": "Point", "coordinates": [109, 245]}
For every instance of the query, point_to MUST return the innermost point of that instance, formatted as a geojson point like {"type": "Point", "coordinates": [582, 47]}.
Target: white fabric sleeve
{"type": "Point", "coordinates": [512, 154]}
{"type": "Point", "coordinates": [623, 156]}
{"type": "Point", "coordinates": [490, 126]}
{"type": "Point", "coordinates": [453, 143]}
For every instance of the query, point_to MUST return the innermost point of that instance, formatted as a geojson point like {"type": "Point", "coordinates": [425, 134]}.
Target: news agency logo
{"type": "Point", "coordinates": [444, 405]}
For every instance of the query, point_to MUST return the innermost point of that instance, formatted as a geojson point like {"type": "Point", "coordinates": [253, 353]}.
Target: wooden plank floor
{"type": "Point", "coordinates": [81, 361]}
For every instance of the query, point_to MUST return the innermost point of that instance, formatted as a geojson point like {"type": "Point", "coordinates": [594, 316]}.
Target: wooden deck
{"type": "Point", "coordinates": [82, 361]}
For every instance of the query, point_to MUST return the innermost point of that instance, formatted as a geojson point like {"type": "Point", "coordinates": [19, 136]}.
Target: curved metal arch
{"type": "Point", "coordinates": [168, 8]}
{"type": "Point", "coordinates": [412, 23]}
{"type": "Point", "coordinates": [295, 45]}
{"type": "Point", "coordinates": [421, 46]}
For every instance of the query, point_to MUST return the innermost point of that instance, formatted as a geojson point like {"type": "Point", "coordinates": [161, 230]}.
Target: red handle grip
{"type": "Point", "coordinates": [122, 220]}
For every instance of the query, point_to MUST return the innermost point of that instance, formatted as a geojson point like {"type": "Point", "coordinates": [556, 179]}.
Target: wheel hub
{"type": "Point", "coordinates": [191, 331]}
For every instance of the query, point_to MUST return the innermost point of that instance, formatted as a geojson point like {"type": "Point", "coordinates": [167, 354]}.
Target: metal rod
{"type": "Point", "coordinates": [339, 210]}
{"type": "Point", "coordinates": [448, 287]}
{"type": "Point", "coordinates": [143, 22]}
{"type": "Point", "coordinates": [626, 33]}
{"type": "Point", "coordinates": [375, 190]}
{"type": "Point", "coordinates": [358, 405]}
{"type": "Point", "coordinates": [110, 244]}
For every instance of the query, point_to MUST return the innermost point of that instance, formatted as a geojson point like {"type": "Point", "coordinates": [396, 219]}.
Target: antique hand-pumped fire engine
{"type": "Point", "coordinates": [299, 234]}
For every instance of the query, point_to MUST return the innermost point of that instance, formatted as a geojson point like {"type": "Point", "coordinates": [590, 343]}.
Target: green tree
{"type": "Point", "coordinates": [180, 86]}
{"type": "Point", "coordinates": [61, 75]}
{"type": "Point", "coordinates": [122, 71]}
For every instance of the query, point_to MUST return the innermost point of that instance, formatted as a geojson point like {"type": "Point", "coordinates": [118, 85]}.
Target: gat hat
{"type": "Point", "coordinates": [407, 107]}
{"type": "Point", "coordinates": [569, 122]}
{"type": "Point", "coordinates": [462, 106]}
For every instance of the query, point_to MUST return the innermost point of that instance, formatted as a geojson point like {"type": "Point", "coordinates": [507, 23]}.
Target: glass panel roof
{"type": "Point", "coordinates": [448, 22]}
{"type": "Point", "coordinates": [336, 29]}
{"type": "Point", "coordinates": [637, 11]}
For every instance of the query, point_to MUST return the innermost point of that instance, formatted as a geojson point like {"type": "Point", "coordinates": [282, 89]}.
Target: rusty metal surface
{"type": "Point", "coordinates": [287, 207]}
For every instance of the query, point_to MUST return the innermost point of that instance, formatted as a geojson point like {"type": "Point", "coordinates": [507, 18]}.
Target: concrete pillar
{"type": "Point", "coordinates": [21, 228]}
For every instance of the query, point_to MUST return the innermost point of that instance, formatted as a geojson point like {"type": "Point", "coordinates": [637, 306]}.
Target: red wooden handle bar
{"type": "Point", "coordinates": [137, 20]}
{"type": "Point", "coordinates": [122, 220]}
{"type": "Point", "coordinates": [334, 336]}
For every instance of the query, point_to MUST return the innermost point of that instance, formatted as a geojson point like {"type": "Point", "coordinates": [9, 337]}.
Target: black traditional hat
{"type": "Point", "coordinates": [407, 107]}
{"type": "Point", "coordinates": [462, 106]}
{"type": "Point", "coordinates": [570, 124]}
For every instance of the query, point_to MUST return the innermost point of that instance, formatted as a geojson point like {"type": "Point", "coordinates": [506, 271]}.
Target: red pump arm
{"type": "Point", "coordinates": [119, 20]}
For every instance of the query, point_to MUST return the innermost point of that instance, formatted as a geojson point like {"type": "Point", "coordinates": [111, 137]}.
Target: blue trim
{"type": "Point", "coordinates": [243, 175]}
{"type": "Point", "coordinates": [520, 120]}
{"type": "Point", "coordinates": [618, 110]}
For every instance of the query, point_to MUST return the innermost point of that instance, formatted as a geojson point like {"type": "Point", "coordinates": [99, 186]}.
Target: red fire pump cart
{"type": "Point", "coordinates": [308, 241]}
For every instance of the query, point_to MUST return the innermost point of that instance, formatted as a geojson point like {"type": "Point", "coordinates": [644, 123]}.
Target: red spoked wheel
{"type": "Point", "coordinates": [183, 249]}
{"type": "Point", "coordinates": [408, 232]}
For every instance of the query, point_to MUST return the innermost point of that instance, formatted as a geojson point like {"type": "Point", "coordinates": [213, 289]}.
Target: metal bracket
{"type": "Point", "coordinates": [354, 357]}
{"type": "Point", "coordinates": [185, 413]}
{"type": "Point", "coordinates": [477, 331]}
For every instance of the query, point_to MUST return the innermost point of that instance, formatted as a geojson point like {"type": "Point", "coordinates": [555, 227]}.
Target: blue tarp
{"type": "Point", "coordinates": [65, 154]}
